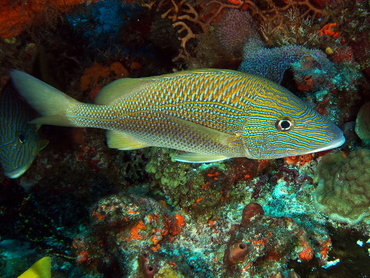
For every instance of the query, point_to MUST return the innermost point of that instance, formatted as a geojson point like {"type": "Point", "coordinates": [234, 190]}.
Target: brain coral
{"type": "Point", "coordinates": [344, 187]}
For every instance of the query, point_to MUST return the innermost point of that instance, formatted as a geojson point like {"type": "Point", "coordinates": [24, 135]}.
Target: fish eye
{"type": "Point", "coordinates": [284, 124]}
{"type": "Point", "coordinates": [22, 138]}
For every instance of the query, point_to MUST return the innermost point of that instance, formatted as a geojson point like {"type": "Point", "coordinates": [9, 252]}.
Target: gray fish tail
{"type": "Point", "coordinates": [55, 107]}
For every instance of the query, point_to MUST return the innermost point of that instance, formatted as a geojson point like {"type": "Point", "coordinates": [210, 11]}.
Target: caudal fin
{"type": "Point", "coordinates": [40, 269]}
{"type": "Point", "coordinates": [52, 104]}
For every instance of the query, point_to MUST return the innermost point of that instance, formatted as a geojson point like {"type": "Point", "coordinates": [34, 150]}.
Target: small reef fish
{"type": "Point", "coordinates": [211, 114]}
{"type": "Point", "coordinates": [40, 269]}
{"type": "Point", "coordinates": [19, 140]}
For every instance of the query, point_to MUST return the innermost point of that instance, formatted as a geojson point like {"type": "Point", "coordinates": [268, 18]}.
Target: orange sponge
{"type": "Point", "coordinates": [15, 18]}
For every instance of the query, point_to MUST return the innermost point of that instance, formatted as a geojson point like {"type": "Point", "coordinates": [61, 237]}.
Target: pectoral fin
{"type": "Point", "coordinates": [43, 143]}
{"type": "Point", "coordinates": [201, 133]}
{"type": "Point", "coordinates": [122, 141]}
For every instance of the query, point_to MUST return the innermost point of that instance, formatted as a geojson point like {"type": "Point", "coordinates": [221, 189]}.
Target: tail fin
{"type": "Point", "coordinates": [52, 104]}
{"type": "Point", "coordinates": [40, 269]}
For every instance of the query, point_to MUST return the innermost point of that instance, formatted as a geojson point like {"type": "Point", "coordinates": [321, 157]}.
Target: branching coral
{"type": "Point", "coordinates": [183, 15]}
{"type": "Point", "coordinates": [282, 22]}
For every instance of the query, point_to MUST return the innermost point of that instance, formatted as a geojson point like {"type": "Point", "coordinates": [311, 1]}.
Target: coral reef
{"type": "Point", "coordinates": [311, 68]}
{"type": "Point", "coordinates": [101, 212]}
{"type": "Point", "coordinates": [185, 18]}
{"type": "Point", "coordinates": [21, 15]}
{"type": "Point", "coordinates": [145, 238]}
{"type": "Point", "coordinates": [343, 190]}
{"type": "Point", "coordinates": [352, 23]}
{"type": "Point", "coordinates": [273, 62]}
{"type": "Point", "coordinates": [91, 76]}
{"type": "Point", "coordinates": [282, 22]}
{"type": "Point", "coordinates": [128, 224]}
{"type": "Point", "coordinates": [203, 190]}
{"type": "Point", "coordinates": [234, 28]}
{"type": "Point", "coordinates": [321, 76]}
{"type": "Point", "coordinates": [193, 19]}
{"type": "Point", "coordinates": [261, 245]}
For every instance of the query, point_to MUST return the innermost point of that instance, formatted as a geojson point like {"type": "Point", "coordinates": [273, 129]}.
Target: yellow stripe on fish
{"type": "Point", "coordinates": [211, 114]}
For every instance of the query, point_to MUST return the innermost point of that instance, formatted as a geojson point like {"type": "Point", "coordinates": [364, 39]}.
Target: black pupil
{"type": "Point", "coordinates": [285, 124]}
{"type": "Point", "coordinates": [22, 138]}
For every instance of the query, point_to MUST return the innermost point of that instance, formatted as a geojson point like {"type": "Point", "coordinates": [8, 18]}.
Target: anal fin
{"type": "Point", "coordinates": [199, 158]}
{"type": "Point", "coordinates": [122, 141]}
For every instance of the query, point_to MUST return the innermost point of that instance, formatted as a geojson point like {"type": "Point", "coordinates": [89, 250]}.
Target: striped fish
{"type": "Point", "coordinates": [210, 114]}
{"type": "Point", "coordinates": [19, 140]}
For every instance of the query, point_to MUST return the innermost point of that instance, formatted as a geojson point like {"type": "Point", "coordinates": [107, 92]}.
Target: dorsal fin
{"type": "Point", "coordinates": [187, 72]}
{"type": "Point", "coordinates": [127, 86]}
{"type": "Point", "coordinates": [119, 88]}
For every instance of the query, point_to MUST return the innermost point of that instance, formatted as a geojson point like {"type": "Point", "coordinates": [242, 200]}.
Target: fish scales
{"type": "Point", "coordinates": [217, 114]}
{"type": "Point", "coordinates": [227, 117]}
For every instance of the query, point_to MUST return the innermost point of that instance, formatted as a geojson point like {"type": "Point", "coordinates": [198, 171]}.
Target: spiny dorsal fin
{"type": "Point", "coordinates": [127, 86]}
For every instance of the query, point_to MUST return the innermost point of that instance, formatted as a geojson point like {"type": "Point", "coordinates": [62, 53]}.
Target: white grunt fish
{"type": "Point", "coordinates": [211, 114]}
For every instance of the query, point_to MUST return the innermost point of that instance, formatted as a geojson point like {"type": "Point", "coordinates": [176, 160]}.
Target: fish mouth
{"type": "Point", "coordinates": [17, 172]}
{"type": "Point", "coordinates": [336, 142]}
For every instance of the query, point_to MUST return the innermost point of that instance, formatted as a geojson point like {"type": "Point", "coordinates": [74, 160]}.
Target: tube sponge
{"type": "Point", "coordinates": [344, 186]}
{"type": "Point", "coordinates": [271, 63]}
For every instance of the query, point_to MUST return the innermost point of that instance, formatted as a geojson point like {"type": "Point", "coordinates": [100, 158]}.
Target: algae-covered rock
{"type": "Point", "coordinates": [344, 187]}
{"type": "Point", "coordinates": [362, 127]}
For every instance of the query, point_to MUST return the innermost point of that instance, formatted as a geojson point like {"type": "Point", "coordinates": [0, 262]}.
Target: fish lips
{"type": "Point", "coordinates": [336, 142]}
